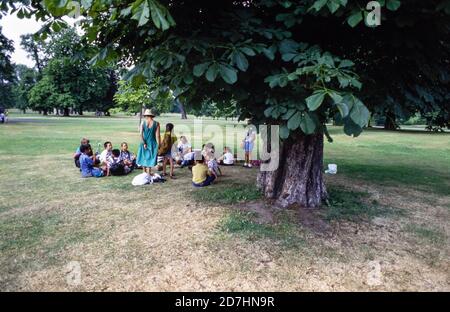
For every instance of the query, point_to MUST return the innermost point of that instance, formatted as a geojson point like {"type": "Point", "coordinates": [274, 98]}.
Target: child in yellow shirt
{"type": "Point", "coordinates": [201, 175]}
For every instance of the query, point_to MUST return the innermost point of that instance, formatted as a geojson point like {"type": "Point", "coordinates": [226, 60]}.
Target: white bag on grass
{"type": "Point", "coordinates": [141, 179]}
{"type": "Point", "coordinates": [332, 169]}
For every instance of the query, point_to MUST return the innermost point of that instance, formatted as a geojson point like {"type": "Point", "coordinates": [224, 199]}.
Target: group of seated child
{"type": "Point", "coordinates": [109, 162]}
{"type": "Point", "coordinates": [203, 163]}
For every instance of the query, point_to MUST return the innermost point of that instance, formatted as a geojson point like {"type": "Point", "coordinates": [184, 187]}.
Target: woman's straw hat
{"type": "Point", "coordinates": [150, 112]}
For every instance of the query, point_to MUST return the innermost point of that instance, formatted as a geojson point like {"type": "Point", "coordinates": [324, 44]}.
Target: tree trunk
{"type": "Point", "coordinates": [24, 110]}
{"type": "Point", "coordinates": [390, 123]}
{"type": "Point", "coordinates": [80, 111]}
{"type": "Point", "coordinates": [298, 179]}
{"type": "Point", "coordinates": [181, 108]}
{"type": "Point", "coordinates": [66, 112]}
{"type": "Point", "coordinates": [44, 112]}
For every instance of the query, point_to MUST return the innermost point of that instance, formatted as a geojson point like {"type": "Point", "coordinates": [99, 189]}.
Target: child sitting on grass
{"type": "Point", "coordinates": [77, 154]}
{"type": "Point", "coordinates": [201, 175]}
{"type": "Point", "coordinates": [213, 166]}
{"type": "Point", "coordinates": [106, 152]}
{"type": "Point", "coordinates": [116, 165]}
{"type": "Point", "coordinates": [87, 164]}
{"type": "Point", "coordinates": [227, 159]}
{"type": "Point", "coordinates": [183, 147]}
{"type": "Point", "coordinates": [126, 156]}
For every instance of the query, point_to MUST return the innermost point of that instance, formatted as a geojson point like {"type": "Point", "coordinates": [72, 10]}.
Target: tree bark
{"type": "Point", "coordinates": [298, 179]}
{"type": "Point", "coordinates": [44, 112]}
{"type": "Point", "coordinates": [66, 112]}
{"type": "Point", "coordinates": [181, 108]}
{"type": "Point", "coordinates": [390, 123]}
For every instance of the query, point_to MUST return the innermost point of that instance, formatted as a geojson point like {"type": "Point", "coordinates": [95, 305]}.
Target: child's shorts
{"type": "Point", "coordinates": [96, 172]}
{"type": "Point", "coordinates": [248, 147]}
{"type": "Point", "coordinates": [208, 181]}
{"type": "Point", "coordinates": [168, 154]}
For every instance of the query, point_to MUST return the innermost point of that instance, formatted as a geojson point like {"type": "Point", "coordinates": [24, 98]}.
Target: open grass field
{"type": "Point", "coordinates": [387, 226]}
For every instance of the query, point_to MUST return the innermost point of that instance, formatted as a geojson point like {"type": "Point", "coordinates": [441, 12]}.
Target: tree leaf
{"type": "Point", "coordinates": [288, 114]}
{"type": "Point", "coordinates": [284, 132]}
{"type": "Point", "coordinates": [248, 51]}
{"type": "Point", "coordinates": [288, 56]}
{"type": "Point", "coordinates": [343, 109]}
{"type": "Point", "coordinates": [292, 76]}
{"type": "Point", "coordinates": [294, 122]}
{"type": "Point", "coordinates": [126, 11]}
{"type": "Point", "coordinates": [212, 72]}
{"type": "Point", "coordinates": [346, 63]}
{"type": "Point", "coordinates": [142, 13]}
{"type": "Point", "coordinates": [227, 73]}
{"type": "Point", "coordinates": [333, 6]}
{"type": "Point", "coordinates": [335, 96]}
{"type": "Point", "coordinates": [240, 60]}
{"type": "Point", "coordinates": [200, 69]}
{"type": "Point", "coordinates": [318, 4]}
{"type": "Point", "coordinates": [359, 113]}
{"type": "Point", "coordinates": [307, 124]}
{"type": "Point", "coordinates": [351, 128]}
{"type": "Point", "coordinates": [268, 111]}
{"type": "Point", "coordinates": [314, 101]}
{"type": "Point", "coordinates": [158, 16]}
{"type": "Point", "coordinates": [355, 19]}
{"type": "Point", "coordinates": [188, 79]}
{"type": "Point", "coordinates": [270, 52]}
{"type": "Point", "coordinates": [393, 5]}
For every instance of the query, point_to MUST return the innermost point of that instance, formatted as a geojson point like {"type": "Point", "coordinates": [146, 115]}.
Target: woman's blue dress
{"type": "Point", "coordinates": [148, 157]}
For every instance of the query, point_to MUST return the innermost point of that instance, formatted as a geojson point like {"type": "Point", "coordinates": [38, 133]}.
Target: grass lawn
{"type": "Point", "coordinates": [390, 205]}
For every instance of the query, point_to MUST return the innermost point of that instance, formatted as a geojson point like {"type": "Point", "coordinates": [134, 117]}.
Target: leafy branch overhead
{"type": "Point", "coordinates": [295, 63]}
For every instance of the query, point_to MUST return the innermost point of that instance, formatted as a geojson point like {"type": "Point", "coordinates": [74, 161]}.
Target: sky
{"type": "Point", "coordinates": [12, 28]}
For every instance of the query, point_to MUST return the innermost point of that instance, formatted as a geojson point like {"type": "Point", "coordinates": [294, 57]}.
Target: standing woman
{"type": "Point", "coordinates": [147, 155]}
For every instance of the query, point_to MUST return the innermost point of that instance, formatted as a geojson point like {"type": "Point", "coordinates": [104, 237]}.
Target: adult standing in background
{"type": "Point", "coordinates": [147, 155]}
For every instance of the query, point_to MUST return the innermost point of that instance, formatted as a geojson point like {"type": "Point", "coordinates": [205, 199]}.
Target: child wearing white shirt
{"type": "Point", "coordinates": [106, 152]}
{"type": "Point", "coordinates": [227, 159]}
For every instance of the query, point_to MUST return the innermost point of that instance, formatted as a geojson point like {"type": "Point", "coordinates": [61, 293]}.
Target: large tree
{"type": "Point", "coordinates": [293, 63]}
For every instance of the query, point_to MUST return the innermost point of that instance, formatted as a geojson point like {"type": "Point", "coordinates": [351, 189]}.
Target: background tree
{"type": "Point", "coordinates": [292, 63]}
{"type": "Point", "coordinates": [7, 74]}
{"type": "Point", "coordinates": [133, 99]}
{"type": "Point", "coordinates": [26, 79]}
{"type": "Point", "coordinates": [72, 81]}
{"type": "Point", "coordinates": [36, 50]}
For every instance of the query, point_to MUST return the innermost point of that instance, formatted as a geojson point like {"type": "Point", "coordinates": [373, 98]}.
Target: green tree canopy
{"type": "Point", "coordinates": [133, 98]}
{"type": "Point", "coordinates": [7, 74]}
{"type": "Point", "coordinates": [70, 79]}
{"type": "Point", "coordinates": [26, 79]}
